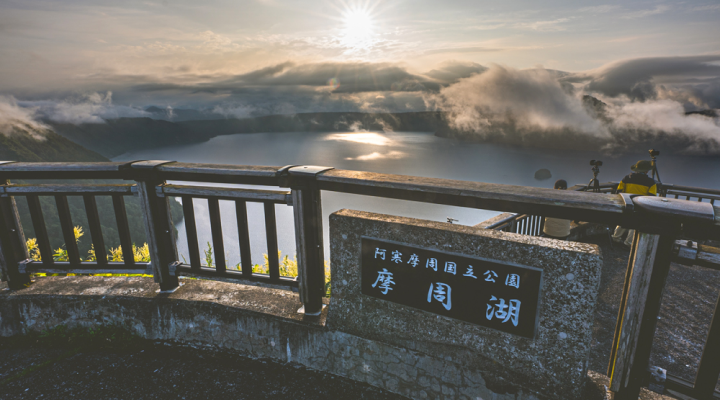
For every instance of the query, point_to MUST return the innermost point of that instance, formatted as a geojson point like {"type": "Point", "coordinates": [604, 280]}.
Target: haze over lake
{"type": "Point", "coordinates": [407, 153]}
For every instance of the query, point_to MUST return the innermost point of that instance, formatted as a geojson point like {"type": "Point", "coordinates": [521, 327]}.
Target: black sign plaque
{"type": "Point", "coordinates": [484, 292]}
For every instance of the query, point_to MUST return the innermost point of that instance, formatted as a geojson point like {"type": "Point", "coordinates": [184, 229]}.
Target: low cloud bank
{"type": "Point", "coordinates": [93, 108]}
{"type": "Point", "coordinates": [15, 120]}
{"type": "Point", "coordinates": [535, 105]}
{"type": "Point", "coordinates": [617, 105]}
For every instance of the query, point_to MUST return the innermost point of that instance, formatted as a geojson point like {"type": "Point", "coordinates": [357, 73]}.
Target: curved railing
{"type": "Point", "coordinates": [148, 180]}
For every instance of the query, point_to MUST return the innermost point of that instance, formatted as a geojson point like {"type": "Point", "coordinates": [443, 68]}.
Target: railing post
{"type": "Point", "coordinates": [13, 249]}
{"type": "Point", "coordinates": [307, 209]}
{"type": "Point", "coordinates": [159, 227]}
{"type": "Point", "coordinates": [647, 272]}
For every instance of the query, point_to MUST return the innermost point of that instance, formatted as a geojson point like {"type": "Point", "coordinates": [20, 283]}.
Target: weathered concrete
{"type": "Point", "coordinates": [481, 362]}
{"type": "Point", "coordinates": [252, 321]}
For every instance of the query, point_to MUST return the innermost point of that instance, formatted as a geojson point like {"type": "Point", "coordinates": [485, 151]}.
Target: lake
{"type": "Point", "coordinates": [406, 153]}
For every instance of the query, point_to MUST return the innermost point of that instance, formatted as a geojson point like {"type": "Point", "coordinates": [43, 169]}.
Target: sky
{"type": "Point", "coordinates": [87, 61]}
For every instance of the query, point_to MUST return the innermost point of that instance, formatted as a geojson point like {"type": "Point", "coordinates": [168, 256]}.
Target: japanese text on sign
{"type": "Point", "coordinates": [489, 293]}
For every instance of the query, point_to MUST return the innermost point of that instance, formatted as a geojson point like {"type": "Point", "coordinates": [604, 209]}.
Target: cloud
{"type": "Point", "coordinates": [535, 107]}
{"type": "Point", "coordinates": [93, 108]}
{"type": "Point", "coordinates": [374, 156]}
{"type": "Point", "coordinates": [234, 110]}
{"type": "Point", "coordinates": [695, 79]}
{"type": "Point", "coordinates": [531, 99]}
{"type": "Point", "coordinates": [666, 117]}
{"type": "Point", "coordinates": [646, 13]}
{"type": "Point", "coordinates": [602, 9]}
{"type": "Point", "coordinates": [708, 7]}
{"type": "Point", "coordinates": [16, 120]}
{"type": "Point", "coordinates": [349, 77]}
{"type": "Point", "coordinates": [452, 71]}
{"type": "Point", "coordinates": [554, 25]}
{"type": "Point", "coordinates": [475, 49]}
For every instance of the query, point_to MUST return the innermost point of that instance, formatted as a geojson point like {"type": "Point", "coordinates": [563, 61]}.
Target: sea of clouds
{"type": "Point", "coordinates": [632, 100]}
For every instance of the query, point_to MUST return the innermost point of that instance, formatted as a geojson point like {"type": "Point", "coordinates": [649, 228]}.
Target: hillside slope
{"type": "Point", "coordinates": [22, 142]}
{"type": "Point", "coordinates": [118, 136]}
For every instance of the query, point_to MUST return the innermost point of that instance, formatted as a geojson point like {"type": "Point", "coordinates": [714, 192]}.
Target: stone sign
{"type": "Point", "coordinates": [544, 357]}
{"type": "Point", "coordinates": [493, 294]}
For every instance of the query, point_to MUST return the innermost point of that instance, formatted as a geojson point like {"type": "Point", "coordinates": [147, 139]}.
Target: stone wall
{"type": "Point", "coordinates": [251, 321]}
{"type": "Point", "coordinates": [451, 360]}
{"type": "Point", "coordinates": [552, 364]}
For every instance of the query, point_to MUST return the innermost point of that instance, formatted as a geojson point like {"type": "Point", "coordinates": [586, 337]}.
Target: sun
{"type": "Point", "coordinates": [359, 28]}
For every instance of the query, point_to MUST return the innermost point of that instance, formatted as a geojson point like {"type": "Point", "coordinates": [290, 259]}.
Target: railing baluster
{"type": "Point", "coordinates": [531, 225]}
{"type": "Point", "coordinates": [191, 232]}
{"type": "Point", "coordinates": [123, 229]}
{"type": "Point", "coordinates": [95, 229]}
{"type": "Point", "coordinates": [12, 243]}
{"type": "Point", "coordinates": [307, 207]}
{"type": "Point", "coordinates": [243, 237]}
{"type": "Point", "coordinates": [709, 369]}
{"type": "Point", "coordinates": [272, 245]}
{"type": "Point", "coordinates": [159, 228]}
{"type": "Point", "coordinates": [216, 230]}
{"type": "Point", "coordinates": [68, 231]}
{"type": "Point", "coordinates": [38, 221]}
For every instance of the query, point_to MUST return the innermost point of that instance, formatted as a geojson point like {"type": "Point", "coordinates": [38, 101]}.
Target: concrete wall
{"type": "Point", "coordinates": [553, 363]}
{"type": "Point", "coordinates": [260, 322]}
{"type": "Point", "coordinates": [252, 321]}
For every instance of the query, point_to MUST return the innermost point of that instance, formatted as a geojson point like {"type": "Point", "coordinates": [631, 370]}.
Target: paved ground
{"type": "Point", "coordinates": [685, 315]}
{"type": "Point", "coordinates": [155, 371]}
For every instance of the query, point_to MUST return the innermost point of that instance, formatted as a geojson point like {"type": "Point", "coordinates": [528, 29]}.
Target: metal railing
{"type": "Point", "coordinates": [532, 225]}
{"type": "Point", "coordinates": [306, 183]}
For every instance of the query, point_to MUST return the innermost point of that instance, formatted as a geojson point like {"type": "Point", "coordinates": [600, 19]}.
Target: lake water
{"type": "Point", "coordinates": [407, 153]}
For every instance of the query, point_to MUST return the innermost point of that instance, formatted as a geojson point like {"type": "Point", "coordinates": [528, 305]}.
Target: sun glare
{"type": "Point", "coordinates": [358, 29]}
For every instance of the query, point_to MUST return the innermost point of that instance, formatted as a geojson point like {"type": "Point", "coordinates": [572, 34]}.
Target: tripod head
{"type": "Point", "coordinates": [594, 185]}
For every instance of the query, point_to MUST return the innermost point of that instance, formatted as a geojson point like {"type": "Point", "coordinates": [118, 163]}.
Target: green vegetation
{"type": "Point", "coordinates": [23, 143]}
{"type": "Point", "coordinates": [287, 266]}
{"type": "Point", "coordinates": [141, 254]}
{"type": "Point", "coordinates": [118, 136]}
{"type": "Point", "coordinates": [79, 217]}
{"type": "Point", "coordinates": [34, 143]}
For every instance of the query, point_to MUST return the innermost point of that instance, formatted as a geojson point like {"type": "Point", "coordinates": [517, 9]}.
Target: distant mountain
{"type": "Point", "coordinates": [182, 114]}
{"type": "Point", "coordinates": [429, 121]}
{"type": "Point", "coordinates": [25, 142]}
{"type": "Point", "coordinates": [118, 136]}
